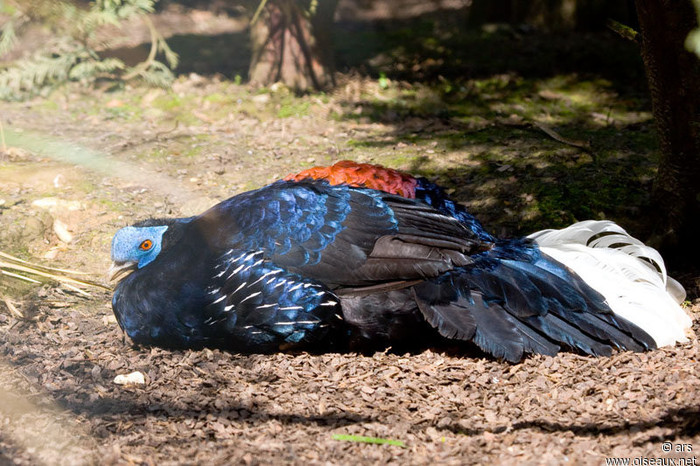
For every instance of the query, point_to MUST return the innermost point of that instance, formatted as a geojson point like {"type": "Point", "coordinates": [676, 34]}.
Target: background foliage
{"type": "Point", "coordinates": [73, 52]}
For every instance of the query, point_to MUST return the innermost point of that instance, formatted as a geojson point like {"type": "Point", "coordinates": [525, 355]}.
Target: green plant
{"type": "Point", "coordinates": [71, 54]}
{"type": "Point", "coordinates": [383, 81]}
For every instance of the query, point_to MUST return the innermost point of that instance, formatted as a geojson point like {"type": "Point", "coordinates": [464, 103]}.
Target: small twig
{"type": "Point", "coordinates": [258, 12]}
{"type": "Point", "coordinates": [167, 131]}
{"type": "Point", "coordinates": [13, 310]}
{"type": "Point", "coordinates": [585, 145]}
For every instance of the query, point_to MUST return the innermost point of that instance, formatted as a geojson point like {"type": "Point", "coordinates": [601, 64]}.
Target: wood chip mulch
{"type": "Point", "coordinates": [59, 403]}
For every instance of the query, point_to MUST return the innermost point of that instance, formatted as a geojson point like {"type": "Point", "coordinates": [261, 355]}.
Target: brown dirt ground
{"type": "Point", "coordinates": [58, 400]}
{"type": "Point", "coordinates": [58, 364]}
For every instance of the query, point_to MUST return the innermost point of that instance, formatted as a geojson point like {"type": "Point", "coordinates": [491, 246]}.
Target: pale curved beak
{"type": "Point", "coordinates": [120, 270]}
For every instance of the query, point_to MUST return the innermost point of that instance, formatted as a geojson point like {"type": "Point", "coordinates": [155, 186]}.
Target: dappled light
{"type": "Point", "coordinates": [486, 141]}
{"type": "Point", "coordinates": [530, 127]}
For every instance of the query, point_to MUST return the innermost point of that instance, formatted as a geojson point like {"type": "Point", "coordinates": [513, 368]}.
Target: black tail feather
{"type": "Point", "coordinates": [559, 330]}
{"type": "Point", "coordinates": [515, 301]}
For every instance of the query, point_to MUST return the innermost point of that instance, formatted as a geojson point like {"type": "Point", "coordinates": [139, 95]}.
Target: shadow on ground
{"type": "Point", "coordinates": [682, 422]}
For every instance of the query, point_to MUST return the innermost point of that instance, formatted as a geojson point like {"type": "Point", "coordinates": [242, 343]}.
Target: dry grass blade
{"type": "Point", "coordinates": [21, 277]}
{"type": "Point", "coordinates": [17, 268]}
{"type": "Point", "coordinates": [40, 267]}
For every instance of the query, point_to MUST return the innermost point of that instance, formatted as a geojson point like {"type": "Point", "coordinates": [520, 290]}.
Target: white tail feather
{"type": "Point", "coordinates": [630, 275]}
{"type": "Point", "coordinates": [676, 290]}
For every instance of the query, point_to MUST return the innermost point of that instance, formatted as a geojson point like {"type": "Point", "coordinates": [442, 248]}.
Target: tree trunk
{"type": "Point", "coordinates": [292, 46]}
{"type": "Point", "coordinates": [673, 75]}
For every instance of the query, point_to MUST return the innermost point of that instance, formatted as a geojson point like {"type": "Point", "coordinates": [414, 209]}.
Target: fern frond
{"type": "Point", "coordinates": [156, 74]}
{"type": "Point", "coordinates": [86, 70]}
{"type": "Point", "coordinates": [72, 55]}
{"type": "Point", "coordinates": [123, 9]}
{"type": "Point", "coordinates": [171, 57]}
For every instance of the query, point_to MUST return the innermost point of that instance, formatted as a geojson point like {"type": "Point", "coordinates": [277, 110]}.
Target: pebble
{"type": "Point", "coordinates": [133, 378]}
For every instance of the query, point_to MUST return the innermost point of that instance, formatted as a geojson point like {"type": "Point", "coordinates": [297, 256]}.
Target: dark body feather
{"type": "Point", "coordinates": [261, 270]}
{"type": "Point", "coordinates": [307, 264]}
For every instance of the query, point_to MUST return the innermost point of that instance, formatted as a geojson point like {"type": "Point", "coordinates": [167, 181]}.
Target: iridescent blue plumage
{"type": "Point", "coordinates": [289, 220]}
{"type": "Point", "coordinates": [261, 270]}
{"type": "Point", "coordinates": [304, 264]}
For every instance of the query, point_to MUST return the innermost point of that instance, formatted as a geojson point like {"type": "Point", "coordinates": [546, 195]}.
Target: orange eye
{"type": "Point", "coordinates": [146, 245]}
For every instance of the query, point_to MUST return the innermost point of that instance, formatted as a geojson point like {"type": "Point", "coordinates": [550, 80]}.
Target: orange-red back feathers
{"type": "Point", "coordinates": [362, 175]}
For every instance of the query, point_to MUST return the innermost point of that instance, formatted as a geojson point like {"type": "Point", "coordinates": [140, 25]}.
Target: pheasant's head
{"type": "Point", "coordinates": [135, 247]}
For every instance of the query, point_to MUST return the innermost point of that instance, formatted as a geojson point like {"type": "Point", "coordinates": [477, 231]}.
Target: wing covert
{"type": "Point", "coordinates": [343, 236]}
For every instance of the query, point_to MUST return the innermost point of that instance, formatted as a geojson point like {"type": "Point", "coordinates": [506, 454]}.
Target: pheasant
{"type": "Point", "coordinates": [363, 253]}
